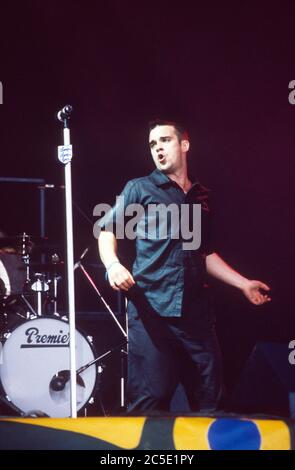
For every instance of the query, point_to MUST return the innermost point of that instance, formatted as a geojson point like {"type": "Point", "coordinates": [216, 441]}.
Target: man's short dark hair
{"type": "Point", "coordinates": [181, 132]}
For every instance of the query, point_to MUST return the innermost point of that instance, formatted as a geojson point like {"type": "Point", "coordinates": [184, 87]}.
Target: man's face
{"type": "Point", "coordinates": [168, 153]}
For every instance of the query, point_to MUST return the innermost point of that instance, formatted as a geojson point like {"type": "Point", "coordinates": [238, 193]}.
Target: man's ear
{"type": "Point", "coordinates": [185, 145]}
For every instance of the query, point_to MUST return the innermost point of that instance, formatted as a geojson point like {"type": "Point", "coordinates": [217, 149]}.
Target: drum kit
{"type": "Point", "coordinates": [34, 337]}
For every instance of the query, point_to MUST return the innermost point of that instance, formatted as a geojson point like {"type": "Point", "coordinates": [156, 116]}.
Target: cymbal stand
{"type": "Point", "coordinates": [55, 260]}
{"type": "Point", "coordinates": [25, 255]}
{"type": "Point", "coordinates": [39, 286]}
{"type": "Point", "coordinates": [30, 307]}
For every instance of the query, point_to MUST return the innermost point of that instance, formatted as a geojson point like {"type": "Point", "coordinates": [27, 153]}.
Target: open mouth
{"type": "Point", "coordinates": [161, 158]}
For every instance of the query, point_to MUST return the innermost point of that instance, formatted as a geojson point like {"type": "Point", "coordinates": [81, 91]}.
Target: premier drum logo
{"type": "Point", "coordinates": [35, 339]}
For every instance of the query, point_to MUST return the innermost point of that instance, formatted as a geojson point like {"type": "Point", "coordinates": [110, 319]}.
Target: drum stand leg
{"type": "Point", "coordinates": [123, 378]}
{"type": "Point", "coordinates": [55, 279]}
{"type": "Point", "coordinates": [29, 305]}
{"type": "Point", "coordinates": [39, 303]}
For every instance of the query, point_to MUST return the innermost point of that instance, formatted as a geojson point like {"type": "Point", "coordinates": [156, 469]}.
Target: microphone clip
{"type": "Point", "coordinates": [65, 113]}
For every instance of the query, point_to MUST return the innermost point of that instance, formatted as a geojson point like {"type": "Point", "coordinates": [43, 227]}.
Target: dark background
{"type": "Point", "coordinates": [222, 69]}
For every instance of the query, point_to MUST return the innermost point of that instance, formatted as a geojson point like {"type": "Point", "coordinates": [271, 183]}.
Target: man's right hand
{"type": "Point", "coordinates": [120, 278]}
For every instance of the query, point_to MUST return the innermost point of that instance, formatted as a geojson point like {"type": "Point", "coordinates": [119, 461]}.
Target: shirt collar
{"type": "Point", "coordinates": [160, 179]}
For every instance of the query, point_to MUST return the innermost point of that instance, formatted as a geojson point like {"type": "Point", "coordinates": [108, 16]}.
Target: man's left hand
{"type": "Point", "coordinates": [256, 292]}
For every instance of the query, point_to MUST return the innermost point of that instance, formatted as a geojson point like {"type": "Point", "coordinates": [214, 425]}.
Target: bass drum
{"type": "Point", "coordinates": [31, 356]}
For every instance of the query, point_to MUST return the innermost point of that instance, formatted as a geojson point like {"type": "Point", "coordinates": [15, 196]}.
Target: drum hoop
{"type": "Point", "coordinates": [95, 389]}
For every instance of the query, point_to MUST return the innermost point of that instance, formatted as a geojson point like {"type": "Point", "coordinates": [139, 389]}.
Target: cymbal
{"type": "Point", "coordinates": [16, 244]}
{"type": "Point", "coordinates": [16, 240]}
{"type": "Point", "coordinates": [8, 250]}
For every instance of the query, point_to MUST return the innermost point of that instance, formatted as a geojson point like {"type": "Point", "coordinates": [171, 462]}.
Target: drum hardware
{"type": "Point", "coordinates": [26, 245]}
{"type": "Point", "coordinates": [61, 378]}
{"type": "Point", "coordinates": [30, 307]}
{"type": "Point", "coordinates": [122, 346]}
{"type": "Point", "coordinates": [26, 254]}
{"type": "Point", "coordinates": [52, 270]}
{"type": "Point", "coordinates": [32, 353]}
{"type": "Point", "coordinates": [44, 282]}
{"type": "Point", "coordinates": [22, 243]}
{"type": "Point", "coordinates": [12, 280]}
{"type": "Point", "coordinates": [100, 369]}
{"type": "Point", "coordinates": [39, 286]}
{"type": "Point", "coordinates": [15, 257]}
{"type": "Point", "coordinates": [55, 260]}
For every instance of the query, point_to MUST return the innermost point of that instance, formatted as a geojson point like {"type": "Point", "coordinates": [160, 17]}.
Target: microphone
{"type": "Point", "coordinates": [65, 112]}
{"type": "Point", "coordinates": [59, 380]}
{"type": "Point", "coordinates": [57, 383]}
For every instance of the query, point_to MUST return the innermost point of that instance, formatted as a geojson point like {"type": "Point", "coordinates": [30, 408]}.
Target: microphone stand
{"type": "Point", "coordinates": [123, 352]}
{"type": "Point", "coordinates": [65, 154]}
{"type": "Point", "coordinates": [91, 282]}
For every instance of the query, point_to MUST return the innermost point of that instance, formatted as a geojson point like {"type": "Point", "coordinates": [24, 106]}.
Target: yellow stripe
{"type": "Point", "coordinates": [275, 435]}
{"type": "Point", "coordinates": [188, 433]}
{"type": "Point", "coordinates": [121, 432]}
{"type": "Point", "coordinates": [192, 433]}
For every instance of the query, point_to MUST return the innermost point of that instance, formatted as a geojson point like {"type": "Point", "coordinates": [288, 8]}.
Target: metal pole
{"type": "Point", "coordinates": [42, 211]}
{"type": "Point", "coordinates": [65, 156]}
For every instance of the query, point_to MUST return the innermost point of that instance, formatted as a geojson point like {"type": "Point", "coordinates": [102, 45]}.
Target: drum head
{"type": "Point", "coordinates": [31, 357]}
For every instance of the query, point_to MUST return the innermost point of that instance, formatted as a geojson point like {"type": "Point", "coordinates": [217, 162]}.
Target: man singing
{"type": "Point", "coordinates": [171, 326]}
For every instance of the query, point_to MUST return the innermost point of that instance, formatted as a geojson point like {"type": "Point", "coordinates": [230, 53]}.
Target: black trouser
{"type": "Point", "coordinates": [166, 351]}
